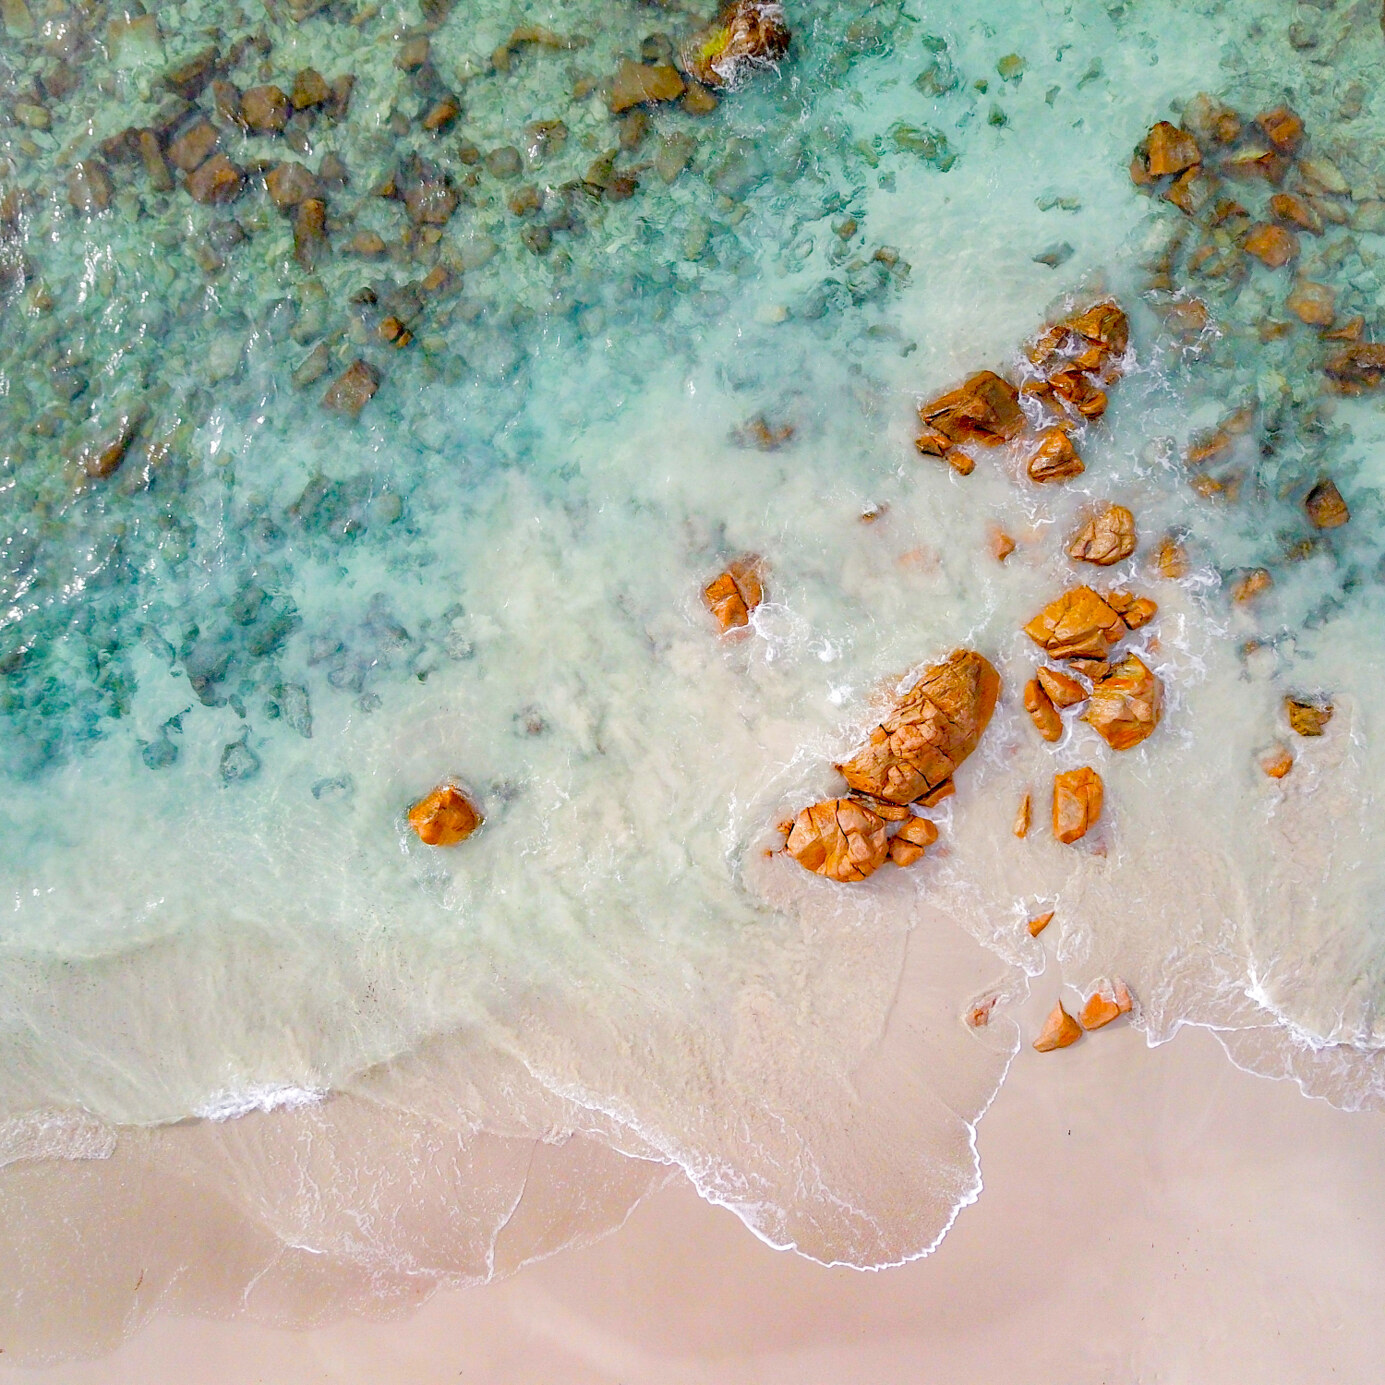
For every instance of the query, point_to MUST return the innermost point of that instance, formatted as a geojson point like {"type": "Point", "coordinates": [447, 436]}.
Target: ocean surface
{"type": "Point", "coordinates": [240, 634]}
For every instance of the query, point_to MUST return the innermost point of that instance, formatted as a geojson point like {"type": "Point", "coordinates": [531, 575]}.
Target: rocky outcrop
{"type": "Point", "coordinates": [445, 817]}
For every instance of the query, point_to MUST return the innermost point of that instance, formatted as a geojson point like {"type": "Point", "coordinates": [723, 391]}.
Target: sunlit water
{"type": "Point", "coordinates": [231, 666]}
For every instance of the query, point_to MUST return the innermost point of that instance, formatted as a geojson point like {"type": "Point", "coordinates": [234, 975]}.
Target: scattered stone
{"type": "Point", "coordinates": [1126, 705]}
{"type": "Point", "coordinates": [32, 116]}
{"type": "Point", "coordinates": [290, 183]}
{"type": "Point", "coordinates": [1042, 711]}
{"type": "Point", "coordinates": [1022, 817]}
{"type": "Point", "coordinates": [758, 433]}
{"type": "Point", "coordinates": [1315, 304]}
{"type": "Point", "coordinates": [644, 83]}
{"type": "Point", "coordinates": [1277, 761]}
{"type": "Point", "coordinates": [1296, 212]}
{"type": "Point", "coordinates": [238, 762]}
{"type": "Point", "coordinates": [1171, 558]}
{"type": "Point", "coordinates": [367, 243]}
{"type": "Point", "coordinates": [427, 192]}
{"type": "Point", "coordinates": [1055, 458]}
{"type": "Point", "coordinates": [930, 732]}
{"type": "Point", "coordinates": [1271, 245]}
{"type": "Point", "coordinates": [1251, 584]}
{"type": "Point", "coordinates": [698, 100]}
{"type": "Point", "coordinates": [910, 842]}
{"type": "Point", "coordinates": [675, 152]}
{"type": "Point", "coordinates": [839, 839]}
{"type": "Point", "coordinates": [155, 166]}
{"type": "Point", "coordinates": [193, 147]}
{"type": "Point", "coordinates": [313, 367]}
{"type": "Point", "coordinates": [1074, 387]}
{"type": "Point", "coordinates": [352, 390]}
{"type": "Point", "coordinates": [1325, 506]}
{"type": "Point", "coordinates": [1062, 690]}
{"type": "Point", "coordinates": [1060, 1031]}
{"type": "Point", "coordinates": [1037, 925]}
{"type": "Point", "coordinates": [1107, 538]}
{"type": "Point", "coordinates": [1002, 545]}
{"type": "Point", "coordinates": [746, 36]}
{"type": "Point", "coordinates": [414, 53]}
{"type": "Point", "coordinates": [216, 181]}
{"type": "Point", "coordinates": [1358, 368]}
{"type": "Point", "coordinates": [1077, 795]}
{"type": "Point", "coordinates": [340, 102]}
{"type": "Point", "coordinates": [736, 592]}
{"type": "Point", "coordinates": [102, 458]}
{"type": "Point", "coordinates": [1211, 121]}
{"type": "Point", "coordinates": [1078, 623]}
{"type": "Point", "coordinates": [531, 35]}
{"type": "Point", "coordinates": [445, 817]}
{"type": "Point", "coordinates": [538, 240]}
{"type": "Point", "coordinates": [1282, 127]}
{"type": "Point", "coordinates": [985, 410]}
{"type": "Point", "coordinates": [189, 78]}
{"type": "Point", "coordinates": [1101, 1009]}
{"type": "Point", "coordinates": [310, 89]}
{"type": "Point", "coordinates": [332, 172]}
{"type": "Point", "coordinates": [1057, 254]}
{"type": "Point", "coordinates": [1351, 330]}
{"type": "Point", "coordinates": [89, 189]}
{"type": "Point", "coordinates": [1171, 150]}
{"type": "Point", "coordinates": [265, 110]}
{"type": "Point", "coordinates": [524, 201]}
{"type": "Point", "coordinates": [309, 231]}
{"type": "Point", "coordinates": [1308, 718]}
{"type": "Point", "coordinates": [442, 114]}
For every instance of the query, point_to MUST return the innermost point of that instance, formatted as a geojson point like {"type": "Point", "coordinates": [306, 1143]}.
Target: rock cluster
{"type": "Point", "coordinates": [1061, 1030]}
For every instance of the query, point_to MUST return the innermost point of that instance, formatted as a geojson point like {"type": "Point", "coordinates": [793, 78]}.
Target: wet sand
{"type": "Point", "coordinates": [1148, 1215]}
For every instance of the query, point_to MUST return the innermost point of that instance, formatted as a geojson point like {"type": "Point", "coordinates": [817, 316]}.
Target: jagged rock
{"type": "Point", "coordinates": [1170, 150]}
{"type": "Point", "coordinates": [1002, 545]}
{"type": "Point", "coordinates": [310, 89]}
{"type": "Point", "coordinates": [352, 390]}
{"type": "Point", "coordinates": [291, 183]}
{"type": "Point", "coordinates": [190, 77]}
{"type": "Point", "coordinates": [1077, 795]}
{"type": "Point", "coordinates": [644, 83]}
{"type": "Point", "coordinates": [1055, 458]}
{"type": "Point", "coordinates": [1308, 718]}
{"type": "Point", "coordinates": [747, 35]}
{"type": "Point", "coordinates": [933, 728]}
{"type": "Point", "coordinates": [1325, 506]}
{"type": "Point", "coordinates": [1251, 584]}
{"type": "Point", "coordinates": [1296, 212]}
{"type": "Point", "coordinates": [1106, 538]}
{"type": "Point", "coordinates": [736, 592]}
{"type": "Point", "coordinates": [910, 842]}
{"type": "Point", "coordinates": [1060, 1030]}
{"type": "Point", "coordinates": [193, 147]}
{"type": "Point", "coordinates": [1277, 761]}
{"type": "Point", "coordinates": [1062, 690]}
{"type": "Point", "coordinates": [427, 193]}
{"type": "Point", "coordinates": [985, 410]}
{"type": "Point", "coordinates": [1282, 127]}
{"type": "Point", "coordinates": [1211, 121]}
{"type": "Point", "coordinates": [1171, 558]}
{"type": "Point", "coordinates": [309, 231]}
{"type": "Point", "coordinates": [1126, 705]}
{"type": "Point", "coordinates": [1042, 711]}
{"type": "Point", "coordinates": [840, 839]}
{"type": "Point", "coordinates": [1077, 623]}
{"type": "Point", "coordinates": [155, 165]}
{"type": "Point", "coordinates": [531, 35]}
{"type": "Point", "coordinates": [445, 817]}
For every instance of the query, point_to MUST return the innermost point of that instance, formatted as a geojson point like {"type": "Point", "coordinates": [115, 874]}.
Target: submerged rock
{"type": "Point", "coordinates": [1060, 1031]}
{"type": "Point", "coordinates": [1077, 797]}
{"type": "Point", "coordinates": [840, 839]}
{"type": "Point", "coordinates": [216, 181]}
{"type": "Point", "coordinates": [353, 389]}
{"type": "Point", "coordinates": [1106, 538]}
{"type": "Point", "coordinates": [1325, 506]}
{"type": "Point", "coordinates": [1271, 245]}
{"type": "Point", "coordinates": [1315, 304]}
{"type": "Point", "coordinates": [746, 36]}
{"type": "Point", "coordinates": [89, 187]}
{"type": "Point", "coordinates": [644, 83]}
{"type": "Point", "coordinates": [238, 762]}
{"type": "Point", "coordinates": [931, 731]}
{"type": "Point", "coordinates": [1078, 623]}
{"type": "Point", "coordinates": [1126, 705]}
{"type": "Point", "coordinates": [1308, 718]}
{"type": "Point", "coordinates": [445, 817]}
{"type": "Point", "coordinates": [736, 592]}
{"type": "Point", "coordinates": [1357, 368]}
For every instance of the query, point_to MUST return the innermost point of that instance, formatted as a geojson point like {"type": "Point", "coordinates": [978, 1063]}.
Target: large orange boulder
{"type": "Point", "coordinates": [840, 839]}
{"type": "Point", "coordinates": [934, 727]}
{"type": "Point", "coordinates": [1077, 795]}
{"type": "Point", "coordinates": [746, 35]}
{"type": "Point", "coordinates": [1079, 623]}
{"type": "Point", "coordinates": [445, 817]}
{"type": "Point", "coordinates": [985, 409]}
{"type": "Point", "coordinates": [1126, 705]}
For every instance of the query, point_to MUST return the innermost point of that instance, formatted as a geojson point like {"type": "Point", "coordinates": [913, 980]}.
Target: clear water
{"type": "Point", "coordinates": [231, 666]}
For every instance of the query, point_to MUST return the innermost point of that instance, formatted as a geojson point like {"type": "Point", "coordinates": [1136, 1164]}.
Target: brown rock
{"type": "Point", "coordinates": [1358, 368]}
{"type": "Point", "coordinates": [1296, 212]}
{"type": "Point", "coordinates": [1126, 705]}
{"type": "Point", "coordinates": [1022, 817]}
{"type": "Point", "coordinates": [909, 843]}
{"type": "Point", "coordinates": [312, 367]}
{"type": "Point", "coordinates": [102, 457]}
{"type": "Point", "coordinates": [1037, 926]}
{"type": "Point", "coordinates": [1134, 610]}
{"type": "Point", "coordinates": [736, 592]}
{"type": "Point", "coordinates": [935, 796]}
{"type": "Point", "coordinates": [1277, 761]}
{"type": "Point", "coordinates": [1042, 711]}
{"type": "Point", "coordinates": [1171, 150]}
{"type": "Point", "coordinates": [414, 53]}
{"type": "Point", "coordinates": [697, 100]}
{"type": "Point", "coordinates": [1282, 128]}
{"type": "Point", "coordinates": [1055, 458]}
{"type": "Point", "coordinates": [352, 390]}
{"type": "Point", "coordinates": [226, 102]}
{"type": "Point", "coordinates": [367, 243]}
{"type": "Point", "coordinates": [189, 78]}
{"type": "Point", "coordinates": [1351, 330]}
{"type": "Point", "coordinates": [1107, 538]}
{"type": "Point", "coordinates": [1308, 718]}
{"type": "Point", "coordinates": [1315, 304]}
{"type": "Point", "coordinates": [445, 817]}
{"type": "Point", "coordinates": [309, 89]}
{"type": "Point", "coordinates": [930, 732]}
{"type": "Point", "coordinates": [428, 194]}
{"type": "Point", "coordinates": [216, 181]}
{"type": "Point", "coordinates": [1060, 1030]}
{"type": "Point", "coordinates": [1250, 584]}
{"type": "Point", "coordinates": [1002, 545]}
{"type": "Point", "coordinates": [1078, 623]}
{"type": "Point", "coordinates": [309, 231]}
{"type": "Point", "coordinates": [639, 83]}
{"type": "Point", "coordinates": [193, 147]}
{"type": "Point", "coordinates": [1251, 164]}
{"type": "Point", "coordinates": [442, 114]}
{"type": "Point", "coordinates": [1325, 506]}
{"type": "Point", "coordinates": [1077, 795]}
{"type": "Point", "coordinates": [89, 187]}
{"type": "Point", "coordinates": [745, 36]}
{"type": "Point", "coordinates": [1062, 690]}
{"type": "Point", "coordinates": [1171, 558]}
{"type": "Point", "coordinates": [839, 839]}
{"type": "Point", "coordinates": [1271, 245]}
{"type": "Point", "coordinates": [265, 110]}
{"type": "Point", "coordinates": [340, 102]}
{"type": "Point", "coordinates": [1191, 191]}
{"type": "Point", "coordinates": [985, 410]}
{"type": "Point", "coordinates": [155, 166]}
{"type": "Point", "coordinates": [332, 172]}
{"type": "Point", "coordinates": [290, 184]}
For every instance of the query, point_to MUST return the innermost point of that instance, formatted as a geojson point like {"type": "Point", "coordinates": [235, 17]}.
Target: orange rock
{"type": "Point", "coordinates": [909, 843]}
{"type": "Point", "coordinates": [1308, 718]}
{"type": "Point", "coordinates": [1250, 585]}
{"type": "Point", "coordinates": [745, 36]}
{"type": "Point", "coordinates": [933, 728]}
{"type": "Point", "coordinates": [1296, 212]}
{"type": "Point", "coordinates": [935, 796]}
{"type": "Point", "coordinates": [1037, 926]}
{"type": "Point", "coordinates": [1171, 150]}
{"type": "Point", "coordinates": [1252, 163]}
{"type": "Point", "coordinates": [1002, 545]}
{"type": "Point", "coordinates": [1211, 121]}
{"type": "Point", "coordinates": [1078, 623]}
{"type": "Point", "coordinates": [1077, 795]}
{"type": "Point", "coordinates": [1022, 817]}
{"type": "Point", "coordinates": [1190, 192]}
{"type": "Point", "coordinates": [445, 817]}
{"type": "Point", "coordinates": [1062, 691]}
{"type": "Point", "coordinates": [979, 1016]}
{"type": "Point", "coordinates": [1098, 1012]}
{"type": "Point", "coordinates": [736, 592]}
{"type": "Point", "coordinates": [1042, 711]}
{"type": "Point", "coordinates": [1282, 128]}
{"type": "Point", "coordinates": [1059, 1031]}
{"type": "Point", "coordinates": [1134, 611]}
{"type": "Point", "coordinates": [1325, 506]}
{"type": "Point", "coordinates": [1271, 245]}
{"type": "Point", "coordinates": [1091, 668]}
{"type": "Point", "coordinates": [759, 433]}
{"type": "Point", "coordinates": [839, 839]}
{"type": "Point", "coordinates": [1351, 330]}
{"type": "Point", "coordinates": [1358, 368]}
{"type": "Point", "coordinates": [890, 812]}
{"type": "Point", "coordinates": [1171, 558]}
{"type": "Point", "coordinates": [985, 410]}
{"type": "Point", "coordinates": [265, 110]}
{"type": "Point", "coordinates": [1315, 304]}
{"type": "Point", "coordinates": [1126, 704]}
{"type": "Point", "coordinates": [638, 83]}
{"type": "Point", "coordinates": [1106, 538]}
{"type": "Point", "coordinates": [1075, 387]}
{"type": "Point", "coordinates": [1055, 459]}
{"type": "Point", "coordinates": [1277, 761]}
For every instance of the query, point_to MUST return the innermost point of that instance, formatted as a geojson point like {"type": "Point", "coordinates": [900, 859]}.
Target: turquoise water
{"type": "Point", "coordinates": [233, 662]}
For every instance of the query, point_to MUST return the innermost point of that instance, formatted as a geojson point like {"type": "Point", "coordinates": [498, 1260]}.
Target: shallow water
{"type": "Point", "coordinates": [231, 665]}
